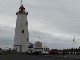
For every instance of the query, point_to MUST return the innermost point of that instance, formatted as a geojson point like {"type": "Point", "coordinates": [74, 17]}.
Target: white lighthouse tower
{"type": "Point", "coordinates": [21, 39]}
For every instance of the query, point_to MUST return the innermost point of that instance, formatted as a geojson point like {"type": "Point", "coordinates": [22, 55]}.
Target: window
{"type": "Point", "coordinates": [26, 23]}
{"type": "Point", "coordinates": [44, 49]}
{"type": "Point", "coordinates": [27, 39]}
{"type": "Point", "coordinates": [22, 31]}
{"type": "Point", "coordinates": [30, 46]}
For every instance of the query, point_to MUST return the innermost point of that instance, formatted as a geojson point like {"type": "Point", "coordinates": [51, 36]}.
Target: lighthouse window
{"type": "Point", "coordinates": [27, 39]}
{"type": "Point", "coordinates": [22, 31]}
{"type": "Point", "coordinates": [26, 23]}
{"type": "Point", "coordinates": [16, 48]}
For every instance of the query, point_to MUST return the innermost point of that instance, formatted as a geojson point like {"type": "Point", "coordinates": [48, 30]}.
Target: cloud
{"type": "Point", "coordinates": [61, 17]}
{"type": "Point", "coordinates": [52, 41]}
{"type": "Point", "coordinates": [57, 21]}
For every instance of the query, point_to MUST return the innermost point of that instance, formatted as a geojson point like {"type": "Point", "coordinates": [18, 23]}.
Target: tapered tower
{"type": "Point", "coordinates": [21, 39]}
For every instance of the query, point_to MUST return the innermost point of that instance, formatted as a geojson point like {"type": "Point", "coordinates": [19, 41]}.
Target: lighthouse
{"type": "Point", "coordinates": [21, 38]}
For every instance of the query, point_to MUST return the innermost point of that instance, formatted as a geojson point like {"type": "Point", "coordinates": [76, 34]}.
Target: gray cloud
{"type": "Point", "coordinates": [57, 21]}
{"type": "Point", "coordinates": [7, 39]}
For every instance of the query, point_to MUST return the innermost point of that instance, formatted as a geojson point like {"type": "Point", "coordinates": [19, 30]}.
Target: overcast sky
{"type": "Point", "coordinates": [55, 21]}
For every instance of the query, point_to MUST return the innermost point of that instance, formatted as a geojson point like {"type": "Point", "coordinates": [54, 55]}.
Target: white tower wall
{"type": "Point", "coordinates": [21, 39]}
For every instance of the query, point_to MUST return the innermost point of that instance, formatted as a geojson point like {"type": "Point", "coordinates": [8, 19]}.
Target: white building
{"type": "Point", "coordinates": [45, 50]}
{"type": "Point", "coordinates": [38, 48]}
{"type": "Point", "coordinates": [21, 39]}
{"type": "Point", "coordinates": [35, 48]}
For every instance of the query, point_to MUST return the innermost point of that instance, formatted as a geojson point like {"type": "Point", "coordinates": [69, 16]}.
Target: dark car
{"type": "Point", "coordinates": [54, 51]}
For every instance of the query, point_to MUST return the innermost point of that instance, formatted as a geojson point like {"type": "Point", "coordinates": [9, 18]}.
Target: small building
{"type": "Point", "coordinates": [45, 50]}
{"type": "Point", "coordinates": [35, 48]}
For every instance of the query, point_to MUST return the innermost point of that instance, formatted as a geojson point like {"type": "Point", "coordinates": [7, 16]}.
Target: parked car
{"type": "Point", "coordinates": [54, 51]}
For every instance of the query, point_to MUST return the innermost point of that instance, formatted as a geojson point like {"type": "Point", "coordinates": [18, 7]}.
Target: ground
{"type": "Point", "coordinates": [39, 57]}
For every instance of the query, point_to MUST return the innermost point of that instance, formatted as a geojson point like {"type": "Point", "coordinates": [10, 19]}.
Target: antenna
{"type": "Point", "coordinates": [74, 42]}
{"type": "Point", "coordinates": [74, 39]}
{"type": "Point", "coordinates": [21, 2]}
